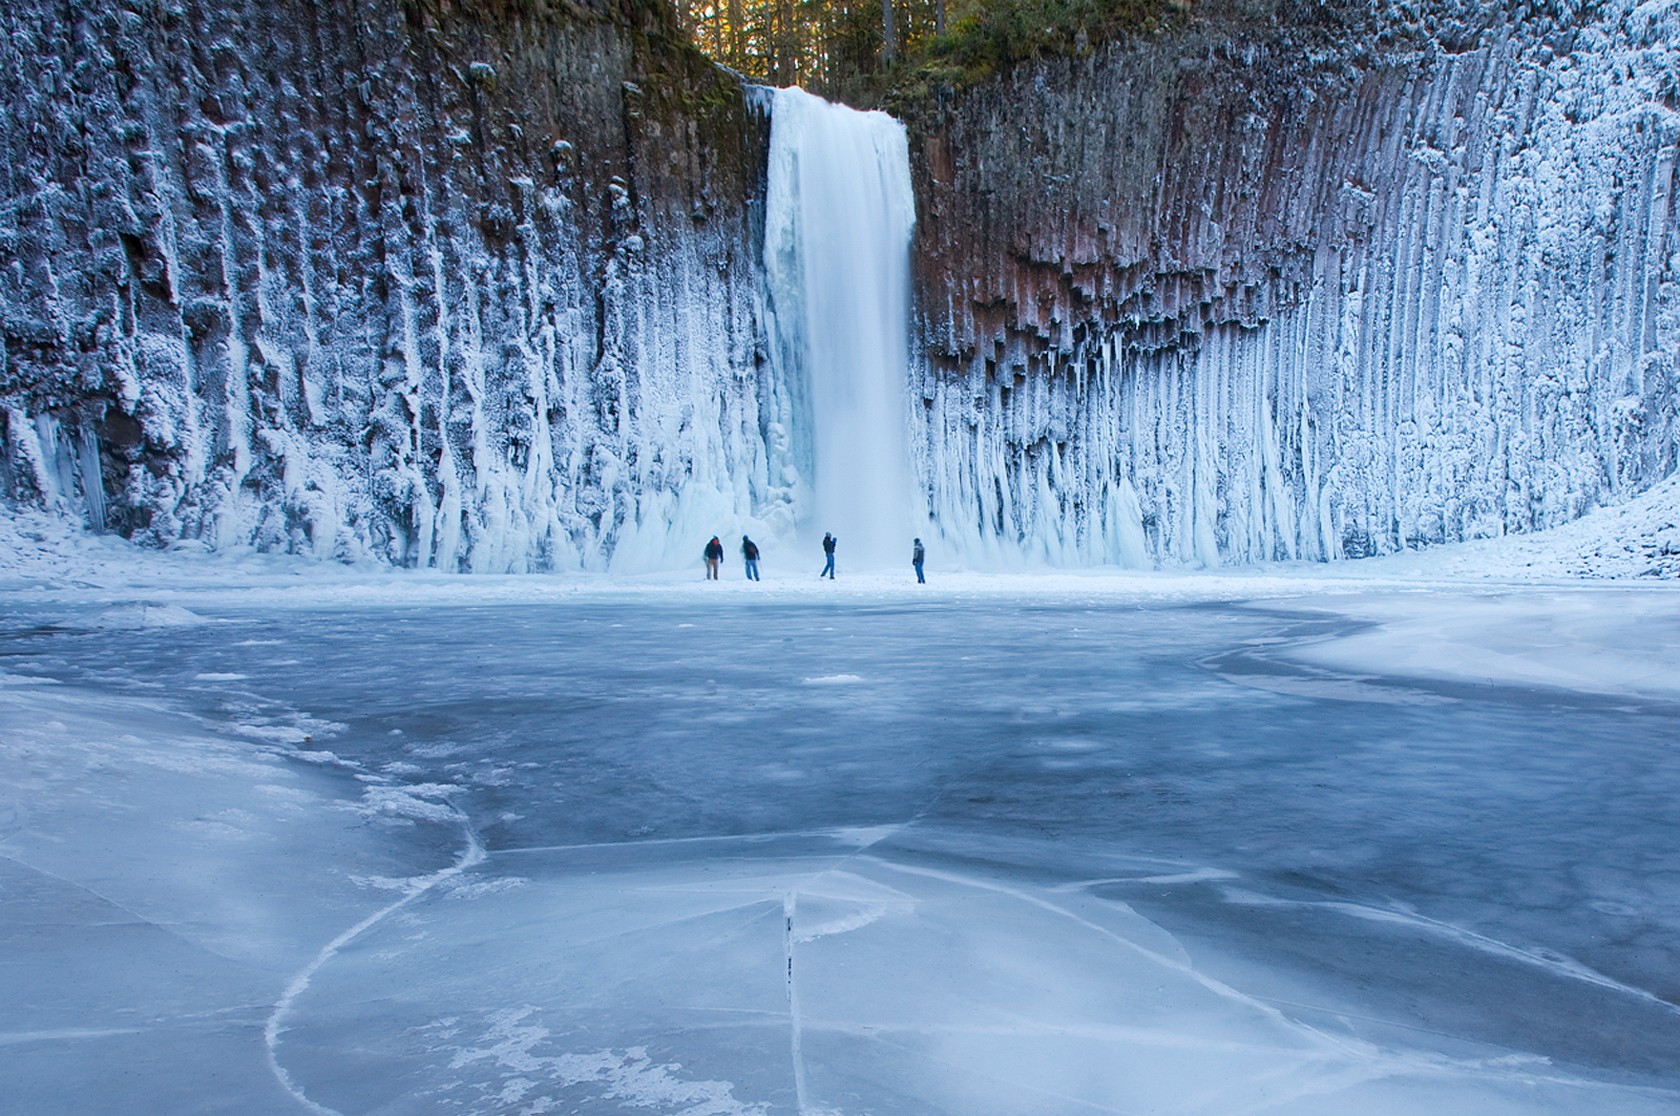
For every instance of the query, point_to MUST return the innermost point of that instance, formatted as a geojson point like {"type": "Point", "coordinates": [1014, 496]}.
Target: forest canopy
{"type": "Point", "coordinates": [861, 50]}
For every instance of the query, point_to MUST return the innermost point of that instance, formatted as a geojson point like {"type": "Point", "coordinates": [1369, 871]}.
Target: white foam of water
{"type": "Point", "coordinates": [839, 214]}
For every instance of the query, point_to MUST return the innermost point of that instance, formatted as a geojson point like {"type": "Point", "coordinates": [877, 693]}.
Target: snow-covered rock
{"type": "Point", "coordinates": [482, 288]}
{"type": "Point", "coordinates": [458, 285]}
{"type": "Point", "coordinates": [1246, 294]}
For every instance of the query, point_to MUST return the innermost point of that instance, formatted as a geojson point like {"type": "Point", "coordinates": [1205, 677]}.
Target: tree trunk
{"type": "Point", "coordinates": [736, 33]}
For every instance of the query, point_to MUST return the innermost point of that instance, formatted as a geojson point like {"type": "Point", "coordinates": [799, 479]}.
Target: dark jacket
{"type": "Point", "coordinates": [749, 550]}
{"type": "Point", "coordinates": [714, 551]}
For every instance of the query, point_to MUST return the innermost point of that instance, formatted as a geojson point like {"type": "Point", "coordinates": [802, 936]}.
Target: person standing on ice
{"type": "Point", "coordinates": [714, 558]}
{"type": "Point", "coordinates": [829, 543]}
{"type": "Point", "coordinates": [917, 554]}
{"type": "Point", "coordinates": [749, 555]}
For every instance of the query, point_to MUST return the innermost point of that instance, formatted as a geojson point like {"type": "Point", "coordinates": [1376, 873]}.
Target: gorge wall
{"type": "Point", "coordinates": [480, 285]}
{"type": "Point", "coordinates": [1233, 294]}
{"type": "Point", "coordinates": [436, 282]}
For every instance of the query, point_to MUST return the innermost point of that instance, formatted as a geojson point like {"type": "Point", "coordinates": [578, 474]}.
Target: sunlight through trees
{"type": "Point", "coordinates": [860, 48]}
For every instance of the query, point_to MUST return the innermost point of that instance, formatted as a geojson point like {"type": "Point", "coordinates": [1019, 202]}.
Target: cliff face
{"type": "Point", "coordinates": [435, 282]}
{"type": "Point", "coordinates": [478, 285]}
{"type": "Point", "coordinates": [1211, 296]}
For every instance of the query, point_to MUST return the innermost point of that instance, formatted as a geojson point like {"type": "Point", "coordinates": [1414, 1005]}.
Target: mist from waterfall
{"type": "Point", "coordinates": [838, 219]}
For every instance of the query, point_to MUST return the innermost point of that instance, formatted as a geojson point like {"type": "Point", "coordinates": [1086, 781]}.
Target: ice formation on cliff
{"type": "Point", "coordinates": [1428, 298]}
{"type": "Point", "coordinates": [344, 296]}
{"type": "Point", "coordinates": [360, 282]}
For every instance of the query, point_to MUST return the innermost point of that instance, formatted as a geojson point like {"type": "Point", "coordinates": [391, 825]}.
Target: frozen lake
{"type": "Point", "coordinates": [961, 854]}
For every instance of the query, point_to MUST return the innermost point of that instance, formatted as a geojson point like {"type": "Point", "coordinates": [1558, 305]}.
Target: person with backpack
{"type": "Point", "coordinates": [714, 558]}
{"type": "Point", "coordinates": [749, 555]}
{"type": "Point", "coordinates": [829, 543]}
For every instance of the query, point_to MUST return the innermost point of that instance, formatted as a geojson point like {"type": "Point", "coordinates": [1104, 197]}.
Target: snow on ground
{"type": "Point", "coordinates": [1604, 642]}
{"type": "Point", "coordinates": [1534, 614]}
{"type": "Point", "coordinates": [1638, 540]}
{"type": "Point", "coordinates": [45, 555]}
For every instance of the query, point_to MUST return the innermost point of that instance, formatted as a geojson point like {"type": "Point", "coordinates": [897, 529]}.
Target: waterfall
{"type": "Point", "coordinates": [837, 265]}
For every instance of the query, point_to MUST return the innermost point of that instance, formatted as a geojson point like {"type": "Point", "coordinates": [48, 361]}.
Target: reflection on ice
{"type": "Point", "coordinates": [961, 858]}
{"type": "Point", "coordinates": [808, 973]}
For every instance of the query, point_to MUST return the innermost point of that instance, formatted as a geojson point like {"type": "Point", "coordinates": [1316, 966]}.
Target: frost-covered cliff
{"type": "Point", "coordinates": [1258, 293]}
{"type": "Point", "coordinates": [442, 283]}
{"type": "Point", "coordinates": [481, 285]}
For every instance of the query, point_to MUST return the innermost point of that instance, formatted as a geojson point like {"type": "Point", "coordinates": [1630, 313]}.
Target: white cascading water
{"type": "Point", "coordinates": [837, 263]}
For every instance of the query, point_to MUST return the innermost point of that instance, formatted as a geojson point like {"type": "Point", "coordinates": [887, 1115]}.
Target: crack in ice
{"type": "Point", "coordinates": [472, 855]}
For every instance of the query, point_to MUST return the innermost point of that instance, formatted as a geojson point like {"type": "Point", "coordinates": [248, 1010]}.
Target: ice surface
{"type": "Point", "coordinates": [161, 879]}
{"type": "Point", "coordinates": [1115, 844]}
{"type": "Point", "coordinates": [138, 615]}
{"type": "Point", "coordinates": [1526, 639]}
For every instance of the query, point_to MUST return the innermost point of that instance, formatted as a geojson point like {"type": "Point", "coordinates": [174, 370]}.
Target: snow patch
{"type": "Point", "coordinates": [629, 1077]}
{"type": "Point", "coordinates": [132, 617]}
{"type": "Point", "coordinates": [420, 802]}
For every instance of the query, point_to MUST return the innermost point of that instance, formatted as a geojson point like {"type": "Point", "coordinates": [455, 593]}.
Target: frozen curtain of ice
{"type": "Point", "coordinates": [264, 296]}
{"type": "Point", "coordinates": [459, 289]}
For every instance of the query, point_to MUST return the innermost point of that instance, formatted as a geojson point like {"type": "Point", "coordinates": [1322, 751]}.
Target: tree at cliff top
{"type": "Point", "coordinates": [887, 51]}
{"type": "Point", "coordinates": [859, 50]}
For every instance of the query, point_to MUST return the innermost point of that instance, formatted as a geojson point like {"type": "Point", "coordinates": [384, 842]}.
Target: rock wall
{"type": "Point", "coordinates": [1256, 291]}
{"type": "Point", "coordinates": [434, 282]}
{"type": "Point", "coordinates": [477, 285]}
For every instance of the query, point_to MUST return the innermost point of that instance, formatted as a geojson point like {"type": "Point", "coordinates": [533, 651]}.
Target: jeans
{"type": "Point", "coordinates": [752, 569]}
{"type": "Point", "coordinates": [920, 580]}
{"type": "Point", "coordinates": [828, 570]}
